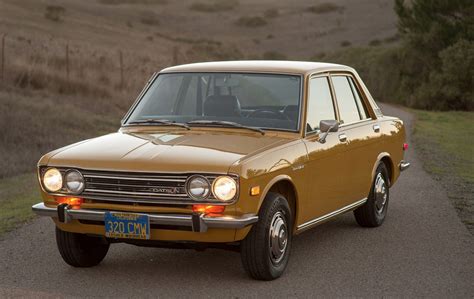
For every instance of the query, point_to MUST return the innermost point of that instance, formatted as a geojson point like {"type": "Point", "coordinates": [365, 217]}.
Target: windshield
{"type": "Point", "coordinates": [264, 101]}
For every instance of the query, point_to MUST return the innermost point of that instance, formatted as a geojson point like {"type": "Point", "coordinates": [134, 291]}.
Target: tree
{"type": "Point", "coordinates": [428, 28]}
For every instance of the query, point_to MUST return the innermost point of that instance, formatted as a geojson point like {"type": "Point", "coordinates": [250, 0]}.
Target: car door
{"type": "Point", "coordinates": [359, 132]}
{"type": "Point", "coordinates": [323, 168]}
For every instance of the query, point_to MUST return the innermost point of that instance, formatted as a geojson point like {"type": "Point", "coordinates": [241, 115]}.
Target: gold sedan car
{"type": "Point", "coordinates": [240, 155]}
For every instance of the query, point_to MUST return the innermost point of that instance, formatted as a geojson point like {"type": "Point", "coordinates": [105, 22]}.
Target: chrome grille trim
{"type": "Point", "coordinates": [127, 187]}
{"type": "Point", "coordinates": [135, 178]}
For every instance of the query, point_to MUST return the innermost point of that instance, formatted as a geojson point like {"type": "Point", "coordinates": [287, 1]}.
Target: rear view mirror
{"type": "Point", "coordinates": [326, 126]}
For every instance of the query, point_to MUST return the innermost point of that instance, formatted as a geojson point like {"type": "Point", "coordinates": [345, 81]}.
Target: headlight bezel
{"type": "Point", "coordinates": [236, 188]}
{"type": "Point", "coordinates": [65, 181]}
{"type": "Point", "coordinates": [188, 189]}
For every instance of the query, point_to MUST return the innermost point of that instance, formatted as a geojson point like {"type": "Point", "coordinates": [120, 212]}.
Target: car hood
{"type": "Point", "coordinates": [190, 151]}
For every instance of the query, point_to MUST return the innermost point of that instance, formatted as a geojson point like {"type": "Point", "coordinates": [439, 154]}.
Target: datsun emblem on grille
{"type": "Point", "coordinates": [166, 190]}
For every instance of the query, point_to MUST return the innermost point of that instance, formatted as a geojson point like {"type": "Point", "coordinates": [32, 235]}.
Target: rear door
{"type": "Point", "coordinates": [360, 134]}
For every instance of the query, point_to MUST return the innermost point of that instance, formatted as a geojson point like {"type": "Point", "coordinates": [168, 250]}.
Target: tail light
{"type": "Point", "coordinates": [405, 146]}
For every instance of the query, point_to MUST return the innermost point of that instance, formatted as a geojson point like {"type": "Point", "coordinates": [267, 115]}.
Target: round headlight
{"type": "Point", "coordinates": [53, 180]}
{"type": "Point", "coordinates": [224, 188]}
{"type": "Point", "coordinates": [198, 187]}
{"type": "Point", "coordinates": [74, 181]}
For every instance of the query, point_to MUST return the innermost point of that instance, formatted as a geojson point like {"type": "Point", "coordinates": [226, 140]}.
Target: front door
{"type": "Point", "coordinates": [324, 167]}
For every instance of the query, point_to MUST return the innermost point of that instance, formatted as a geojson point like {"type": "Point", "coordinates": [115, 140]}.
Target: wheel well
{"type": "Point", "coordinates": [286, 188]}
{"type": "Point", "coordinates": [388, 163]}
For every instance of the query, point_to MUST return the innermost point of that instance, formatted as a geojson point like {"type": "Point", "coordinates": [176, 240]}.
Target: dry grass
{"type": "Point", "coordinates": [215, 6]}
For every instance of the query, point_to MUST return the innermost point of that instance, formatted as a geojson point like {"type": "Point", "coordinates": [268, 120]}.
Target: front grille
{"type": "Point", "coordinates": [140, 187]}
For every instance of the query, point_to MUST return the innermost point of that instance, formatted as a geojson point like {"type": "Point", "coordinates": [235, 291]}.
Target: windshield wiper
{"type": "Point", "coordinates": [225, 123]}
{"type": "Point", "coordinates": [160, 122]}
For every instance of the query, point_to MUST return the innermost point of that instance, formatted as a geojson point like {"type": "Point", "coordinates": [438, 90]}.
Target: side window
{"type": "Point", "coordinates": [360, 105]}
{"type": "Point", "coordinates": [348, 109]}
{"type": "Point", "coordinates": [320, 104]}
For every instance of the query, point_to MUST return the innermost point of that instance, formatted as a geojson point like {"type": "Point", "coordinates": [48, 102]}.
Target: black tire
{"type": "Point", "coordinates": [374, 211]}
{"type": "Point", "coordinates": [257, 259]}
{"type": "Point", "coordinates": [79, 250]}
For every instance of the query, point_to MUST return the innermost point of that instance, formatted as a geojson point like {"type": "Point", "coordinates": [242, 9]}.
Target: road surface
{"type": "Point", "coordinates": [422, 249]}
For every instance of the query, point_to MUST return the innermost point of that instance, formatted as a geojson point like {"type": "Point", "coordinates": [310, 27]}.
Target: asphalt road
{"type": "Point", "coordinates": [422, 249]}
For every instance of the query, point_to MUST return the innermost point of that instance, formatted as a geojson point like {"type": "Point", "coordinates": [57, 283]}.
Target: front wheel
{"type": "Point", "coordinates": [79, 250]}
{"type": "Point", "coordinates": [266, 249]}
{"type": "Point", "coordinates": [374, 211]}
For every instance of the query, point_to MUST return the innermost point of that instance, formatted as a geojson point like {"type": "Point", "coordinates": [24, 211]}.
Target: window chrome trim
{"type": "Point", "coordinates": [328, 216]}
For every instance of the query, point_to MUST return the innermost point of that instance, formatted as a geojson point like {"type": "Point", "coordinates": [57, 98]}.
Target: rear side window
{"type": "Point", "coordinates": [351, 108]}
{"type": "Point", "coordinates": [360, 105]}
{"type": "Point", "coordinates": [320, 104]}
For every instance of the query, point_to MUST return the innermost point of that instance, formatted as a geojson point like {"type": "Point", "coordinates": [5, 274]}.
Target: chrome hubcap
{"type": "Point", "coordinates": [380, 193]}
{"type": "Point", "coordinates": [278, 237]}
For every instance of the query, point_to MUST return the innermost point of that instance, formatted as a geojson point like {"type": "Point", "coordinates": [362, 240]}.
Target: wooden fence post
{"type": "Point", "coordinates": [121, 69]}
{"type": "Point", "coordinates": [3, 58]}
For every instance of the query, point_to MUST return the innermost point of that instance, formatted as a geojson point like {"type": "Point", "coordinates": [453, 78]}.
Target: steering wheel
{"type": "Point", "coordinates": [264, 113]}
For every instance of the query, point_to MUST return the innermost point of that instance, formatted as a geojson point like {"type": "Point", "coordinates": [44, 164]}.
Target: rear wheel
{"type": "Point", "coordinates": [374, 211]}
{"type": "Point", "coordinates": [266, 249]}
{"type": "Point", "coordinates": [79, 250]}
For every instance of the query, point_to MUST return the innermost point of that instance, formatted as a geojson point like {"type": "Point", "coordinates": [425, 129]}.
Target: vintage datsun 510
{"type": "Point", "coordinates": [240, 155]}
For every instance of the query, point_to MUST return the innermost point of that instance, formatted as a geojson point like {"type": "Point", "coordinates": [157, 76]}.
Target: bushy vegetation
{"type": "Point", "coordinates": [54, 13]}
{"type": "Point", "coordinates": [215, 6]}
{"type": "Point", "coordinates": [251, 21]}
{"type": "Point", "coordinates": [326, 7]}
{"type": "Point", "coordinates": [438, 40]}
{"type": "Point", "coordinates": [432, 68]}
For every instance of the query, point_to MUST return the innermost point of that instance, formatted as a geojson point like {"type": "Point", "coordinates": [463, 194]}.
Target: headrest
{"type": "Point", "coordinates": [222, 105]}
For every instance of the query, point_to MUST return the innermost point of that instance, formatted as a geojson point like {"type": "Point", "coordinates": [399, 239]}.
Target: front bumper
{"type": "Point", "coordinates": [404, 165]}
{"type": "Point", "coordinates": [198, 222]}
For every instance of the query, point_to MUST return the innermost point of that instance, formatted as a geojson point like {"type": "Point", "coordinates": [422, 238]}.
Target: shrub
{"type": "Point", "coordinates": [149, 18]}
{"type": "Point", "coordinates": [325, 8]}
{"type": "Point", "coordinates": [54, 13]}
{"type": "Point", "coordinates": [345, 43]}
{"type": "Point", "coordinates": [274, 55]}
{"type": "Point", "coordinates": [254, 21]}
{"type": "Point", "coordinates": [271, 13]}
{"type": "Point", "coordinates": [375, 42]}
{"type": "Point", "coordinates": [118, 2]}
{"type": "Point", "coordinates": [451, 88]}
{"type": "Point", "coordinates": [215, 6]}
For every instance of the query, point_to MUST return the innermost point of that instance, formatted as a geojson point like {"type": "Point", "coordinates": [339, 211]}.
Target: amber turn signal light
{"type": "Point", "coordinates": [74, 202]}
{"type": "Point", "coordinates": [255, 190]}
{"type": "Point", "coordinates": [207, 209]}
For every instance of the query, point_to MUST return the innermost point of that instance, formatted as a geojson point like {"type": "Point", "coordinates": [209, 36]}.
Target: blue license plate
{"type": "Point", "coordinates": [127, 225]}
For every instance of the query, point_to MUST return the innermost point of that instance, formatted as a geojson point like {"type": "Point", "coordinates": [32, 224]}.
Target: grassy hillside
{"type": "Point", "coordinates": [444, 142]}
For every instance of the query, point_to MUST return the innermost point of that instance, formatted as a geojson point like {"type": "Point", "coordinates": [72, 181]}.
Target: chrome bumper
{"type": "Point", "coordinates": [198, 222]}
{"type": "Point", "coordinates": [404, 165]}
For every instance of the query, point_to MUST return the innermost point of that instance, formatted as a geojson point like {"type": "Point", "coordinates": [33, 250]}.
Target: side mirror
{"type": "Point", "coordinates": [326, 126]}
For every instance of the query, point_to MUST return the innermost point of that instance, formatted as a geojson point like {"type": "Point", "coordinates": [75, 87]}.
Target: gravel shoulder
{"type": "Point", "coordinates": [423, 249]}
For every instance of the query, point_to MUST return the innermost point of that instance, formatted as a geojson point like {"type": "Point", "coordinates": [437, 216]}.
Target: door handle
{"type": "Point", "coordinates": [376, 128]}
{"type": "Point", "coordinates": [342, 137]}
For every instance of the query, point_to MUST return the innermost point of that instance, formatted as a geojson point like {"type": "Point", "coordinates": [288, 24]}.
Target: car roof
{"type": "Point", "coordinates": [259, 66]}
